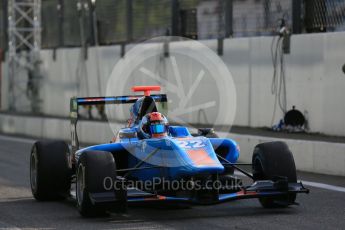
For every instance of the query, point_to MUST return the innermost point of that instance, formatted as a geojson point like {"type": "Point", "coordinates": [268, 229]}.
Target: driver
{"type": "Point", "coordinates": [154, 125]}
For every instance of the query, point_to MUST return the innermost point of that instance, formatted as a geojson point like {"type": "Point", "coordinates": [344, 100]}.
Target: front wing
{"type": "Point", "coordinates": [257, 190]}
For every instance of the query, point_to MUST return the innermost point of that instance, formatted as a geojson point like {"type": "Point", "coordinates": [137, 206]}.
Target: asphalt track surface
{"type": "Point", "coordinates": [321, 209]}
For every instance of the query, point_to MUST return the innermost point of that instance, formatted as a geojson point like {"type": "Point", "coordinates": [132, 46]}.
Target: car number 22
{"type": "Point", "coordinates": [193, 144]}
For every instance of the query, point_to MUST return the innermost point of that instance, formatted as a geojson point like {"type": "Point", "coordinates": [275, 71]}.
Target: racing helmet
{"type": "Point", "coordinates": [154, 125]}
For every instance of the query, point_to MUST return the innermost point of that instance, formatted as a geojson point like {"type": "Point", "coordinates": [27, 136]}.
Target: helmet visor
{"type": "Point", "coordinates": [157, 128]}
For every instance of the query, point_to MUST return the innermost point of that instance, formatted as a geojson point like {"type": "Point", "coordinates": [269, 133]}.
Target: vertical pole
{"type": "Point", "coordinates": [174, 17]}
{"type": "Point", "coordinates": [220, 19]}
{"type": "Point", "coordinates": [229, 18]}
{"type": "Point", "coordinates": [267, 13]}
{"type": "Point", "coordinates": [296, 16]}
{"type": "Point", "coordinates": [94, 28]}
{"type": "Point", "coordinates": [146, 15]}
{"type": "Point", "coordinates": [4, 26]}
{"type": "Point", "coordinates": [92, 20]}
{"type": "Point", "coordinates": [82, 28]}
{"type": "Point", "coordinates": [61, 8]}
{"type": "Point", "coordinates": [94, 25]}
{"type": "Point", "coordinates": [220, 28]}
{"type": "Point", "coordinates": [11, 53]}
{"type": "Point", "coordinates": [129, 9]}
{"type": "Point", "coordinates": [1, 52]}
{"type": "Point", "coordinates": [37, 27]}
{"type": "Point", "coordinates": [250, 84]}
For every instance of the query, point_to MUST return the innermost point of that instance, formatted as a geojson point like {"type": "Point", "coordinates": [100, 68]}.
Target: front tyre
{"type": "Point", "coordinates": [92, 169]}
{"type": "Point", "coordinates": [271, 160]}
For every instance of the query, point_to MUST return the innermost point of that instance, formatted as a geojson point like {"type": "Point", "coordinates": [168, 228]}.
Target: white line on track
{"type": "Point", "coordinates": [314, 184]}
{"type": "Point", "coordinates": [324, 186]}
{"type": "Point", "coordinates": [308, 183]}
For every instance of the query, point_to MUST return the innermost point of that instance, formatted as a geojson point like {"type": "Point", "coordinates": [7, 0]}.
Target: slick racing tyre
{"type": "Point", "coordinates": [92, 169]}
{"type": "Point", "coordinates": [50, 175]}
{"type": "Point", "coordinates": [271, 160]}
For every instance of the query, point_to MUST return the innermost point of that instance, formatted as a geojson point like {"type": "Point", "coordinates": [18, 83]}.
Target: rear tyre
{"type": "Point", "coordinates": [271, 160]}
{"type": "Point", "coordinates": [92, 169]}
{"type": "Point", "coordinates": [50, 175]}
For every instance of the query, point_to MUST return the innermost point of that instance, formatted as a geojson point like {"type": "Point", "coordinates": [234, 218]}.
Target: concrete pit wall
{"type": "Point", "coordinates": [315, 81]}
{"type": "Point", "coordinates": [310, 156]}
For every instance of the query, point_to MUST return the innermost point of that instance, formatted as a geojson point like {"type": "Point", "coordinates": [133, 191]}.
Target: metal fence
{"type": "Point", "coordinates": [111, 21]}
{"type": "Point", "coordinates": [68, 23]}
{"type": "Point", "coordinates": [254, 18]}
{"type": "Point", "coordinates": [50, 21]}
{"type": "Point", "coordinates": [71, 22]}
{"type": "Point", "coordinates": [2, 26]}
{"type": "Point", "coordinates": [324, 15]}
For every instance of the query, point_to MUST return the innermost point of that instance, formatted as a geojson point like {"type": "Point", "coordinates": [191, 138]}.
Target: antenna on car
{"type": "Point", "coordinates": [146, 89]}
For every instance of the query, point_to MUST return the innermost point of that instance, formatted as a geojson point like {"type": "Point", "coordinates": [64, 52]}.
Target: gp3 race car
{"type": "Point", "coordinates": [152, 161]}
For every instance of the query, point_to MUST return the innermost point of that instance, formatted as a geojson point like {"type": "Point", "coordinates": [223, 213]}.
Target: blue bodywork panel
{"type": "Point", "coordinates": [176, 156]}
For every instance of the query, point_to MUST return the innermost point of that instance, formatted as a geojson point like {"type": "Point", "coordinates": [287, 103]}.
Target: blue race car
{"type": "Point", "coordinates": [152, 161]}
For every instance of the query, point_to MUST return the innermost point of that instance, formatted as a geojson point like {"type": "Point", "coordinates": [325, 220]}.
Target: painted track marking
{"type": "Point", "coordinates": [315, 184]}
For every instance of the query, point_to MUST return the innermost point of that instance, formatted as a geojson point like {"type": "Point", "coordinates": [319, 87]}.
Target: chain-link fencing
{"type": "Point", "coordinates": [76, 22]}
{"type": "Point", "coordinates": [256, 18]}
{"type": "Point", "coordinates": [324, 15]}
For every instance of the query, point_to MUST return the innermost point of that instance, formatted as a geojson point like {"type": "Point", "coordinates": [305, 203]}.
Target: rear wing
{"type": "Point", "coordinates": [82, 101]}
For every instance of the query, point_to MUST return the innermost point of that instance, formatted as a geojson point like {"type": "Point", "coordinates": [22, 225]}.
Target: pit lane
{"type": "Point", "coordinates": [322, 209]}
